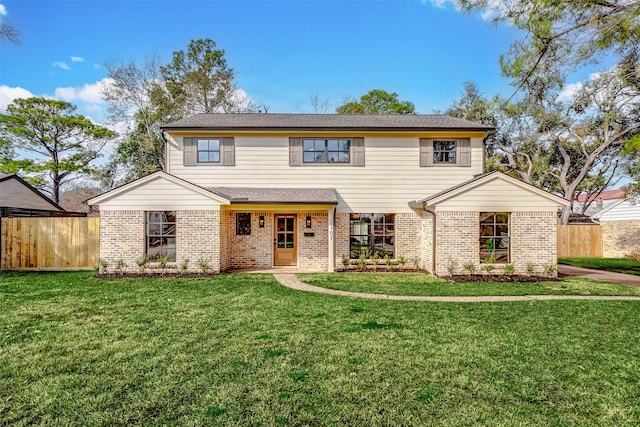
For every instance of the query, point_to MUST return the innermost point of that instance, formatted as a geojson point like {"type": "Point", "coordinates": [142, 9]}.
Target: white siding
{"type": "Point", "coordinates": [625, 211]}
{"type": "Point", "coordinates": [159, 194]}
{"type": "Point", "coordinates": [497, 196]}
{"type": "Point", "coordinates": [390, 179]}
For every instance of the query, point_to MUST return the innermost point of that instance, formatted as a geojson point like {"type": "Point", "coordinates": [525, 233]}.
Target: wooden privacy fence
{"type": "Point", "coordinates": [579, 241]}
{"type": "Point", "coordinates": [49, 243]}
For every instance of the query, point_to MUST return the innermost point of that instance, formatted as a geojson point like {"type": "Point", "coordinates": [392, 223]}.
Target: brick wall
{"type": "Point", "coordinates": [122, 237]}
{"type": "Point", "coordinates": [313, 251]}
{"type": "Point", "coordinates": [254, 250]}
{"type": "Point", "coordinates": [342, 238]}
{"type": "Point", "coordinates": [620, 238]}
{"type": "Point", "coordinates": [408, 238]}
{"type": "Point", "coordinates": [533, 240]}
{"type": "Point", "coordinates": [457, 240]}
{"type": "Point", "coordinates": [198, 238]}
{"type": "Point", "coordinates": [426, 242]}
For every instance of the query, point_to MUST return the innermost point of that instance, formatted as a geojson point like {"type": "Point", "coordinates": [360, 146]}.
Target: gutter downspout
{"type": "Point", "coordinates": [433, 237]}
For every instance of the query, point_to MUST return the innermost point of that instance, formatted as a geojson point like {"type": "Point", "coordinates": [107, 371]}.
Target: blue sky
{"type": "Point", "coordinates": [283, 52]}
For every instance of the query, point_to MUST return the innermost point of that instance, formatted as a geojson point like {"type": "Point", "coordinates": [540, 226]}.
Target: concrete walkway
{"type": "Point", "coordinates": [605, 276]}
{"type": "Point", "coordinates": [291, 281]}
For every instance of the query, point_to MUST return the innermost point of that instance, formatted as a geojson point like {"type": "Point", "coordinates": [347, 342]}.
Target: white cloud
{"type": "Point", "coordinates": [440, 4]}
{"type": "Point", "coordinates": [61, 65]}
{"type": "Point", "coordinates": [3, 10]}
{"type": "Point", "coordinates": [8, 94]}
{"type": "Point", "coordinates": [89, 93]}
{"type": "Point", "coordinates": [77, 59]}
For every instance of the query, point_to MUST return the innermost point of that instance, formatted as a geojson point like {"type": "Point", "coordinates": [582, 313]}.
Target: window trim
{"type": "Point", "coordinates": [494, 236]}
{"type": "Point", "coordinates": [198, 151]}
{"type": "Point", "coordinates": [356, 151]}
{"type": "Point", "coordinates": [245, 232]}
{"type": "Point", "coordinates": [326, 140]}
{"type": "Point", "coordinates": [162, 223]}
{"type": "Point", "coordinates": [371, 233]}
{"type": "Point", "coordinates": [455, 151]}
{"type": "Point", "coordinates": [427, 152]}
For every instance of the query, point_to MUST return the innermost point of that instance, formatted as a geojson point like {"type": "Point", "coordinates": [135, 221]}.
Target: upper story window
{"type": "Point", "coordinates": [441, 152]}
{"type": "Point", "coordinates": [326, 150]}
{"type": "Point", "coordinates": [444, 151]}
{"type": "Point", "coordinates": [208, 150]}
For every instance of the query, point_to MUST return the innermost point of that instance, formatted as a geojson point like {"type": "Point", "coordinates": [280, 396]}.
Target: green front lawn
{"type": "Point", "coordinates": [240, 349]}
{"type": "Point", "coordinates": [421, 284]}
{"type": "Point", "coordinates": [618, 265]}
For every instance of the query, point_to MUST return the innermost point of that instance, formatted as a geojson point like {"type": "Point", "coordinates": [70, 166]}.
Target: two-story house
{"type": "Point", "coordinates": [262, 191]}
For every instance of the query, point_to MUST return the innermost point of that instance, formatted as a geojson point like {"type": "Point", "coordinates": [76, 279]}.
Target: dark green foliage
{"type": "Point", "coordinates": [377, 101]}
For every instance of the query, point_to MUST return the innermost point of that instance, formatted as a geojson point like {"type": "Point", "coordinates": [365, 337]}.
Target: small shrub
{"type": "Point", "coordinates": [142, 263]}
{"type": "Point", "coordinates": [387, 261]}
{"type": "Point", "coordinates": [375, 258]}
{"type": "Point", "coordinates": [416, 263]}
{"type": "Point", "coordinates": [203, 264]}
{"type": "Point", "coordinates": [530, 268]}
{"type": "Point", "coordinates": [551, 270]}
{"type": "Point", "coordinates": [345, 261]}
{"type": "Point", "coordinates": [509, 269]}
{"type": "Point", "coordinates": [402, 261]}
{"type": "Point", "coordinates": [103, 265]}
{"type": "Point", "coordinates": [121, 265]}
{"type": "Point", "coordinates": [452, 266]}
{"type": "Point", "coordinates": [162, 261]}
{"type": "Point", "coordinates": [184, 265]}
{"type": "Point", "coordinates": [469, 267]}
{"type": "Point", "coordinates": [487, 267]}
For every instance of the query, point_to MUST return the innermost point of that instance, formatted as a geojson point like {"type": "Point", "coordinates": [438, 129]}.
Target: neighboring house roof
{"type": "Point", "coordinates": [279, 195]}
{"type": "Point", "coordinates": [10, 200]}
{"type": "Point", "coordinates": [480, 180]}
{"type": "Point", "coordinates": [395, 122]}
{"type": "Point", "coordinates": [605, 195]}
{"type": "Point", "coordinates": [577, 218]}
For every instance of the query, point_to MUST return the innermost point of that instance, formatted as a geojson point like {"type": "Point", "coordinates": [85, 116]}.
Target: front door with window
{"type": "Point", "coordinates": [284, 239]}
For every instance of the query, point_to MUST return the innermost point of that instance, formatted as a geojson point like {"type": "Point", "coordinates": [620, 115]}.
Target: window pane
{"type": "Point", "coordinates": [169, 216]}
{"type": "Point", "coordinates": [378, 229]}
{"type": "Point", "coordinates": [344, 157]}
{"type": "Point", "coordinates": [168, 229]}
{"type": "Point", "coordinates": [289, 224]}
{"type": "Point", "coordinates": [154, 229]}
{"type": "Point", "coordinates": [332, 145]}
{"type": "Point", "coordinates": [214, 156]}
{"type": "Point", "coordinates": [502, 218]}
{"type": "Point", "coordinates": [486, 230]}
{"type": "Point", "coordinates": [203, 157]}
{"type": "Point", "coordinates": [344, 144]}
{"type": "Point", "coordinates": [502, 230]}
{"type": "Point", "coordinates": [203, 145]}
{"type": "Point", "coordinates": [309, 156]}
{"type": "Point", "coordinates": [319, 145]}
{"type": "Point", "coordinates": [333, 157]}
{"type": "Point", "coordinates": [451, 157]}
{"type": "Point", "coordinates": [307, 144]}
{"type": "Point", "coordinates": [320, 157]}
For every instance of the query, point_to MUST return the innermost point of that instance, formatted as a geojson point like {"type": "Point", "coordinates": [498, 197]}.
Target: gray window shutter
{"type": "Point", "coordinates": [228, 151]}
{"type": "Point", "coordinates": [464, 151]}
{"type": "Point", "coordinates": [426, 152]}
{"type": "Point", "coordinates": [189, 151]}
{"type": "Point", "coordinates": [357, 151]}
{"type": "Point", "coordinates": [295, 152]}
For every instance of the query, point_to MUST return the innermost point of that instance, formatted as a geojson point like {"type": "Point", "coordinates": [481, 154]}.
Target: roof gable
{"type": "Point", "coordinates": [148, 180]}
{"type": "Point", "coordinates": [29, 191]}
{"type": "Point", "coordinates": [483, 181]}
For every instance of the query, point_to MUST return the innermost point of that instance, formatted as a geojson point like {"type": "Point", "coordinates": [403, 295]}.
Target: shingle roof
{"type": "Point", "coordinates": [278, 195]}
{"type": "Point", "coordinates": [325, 122]}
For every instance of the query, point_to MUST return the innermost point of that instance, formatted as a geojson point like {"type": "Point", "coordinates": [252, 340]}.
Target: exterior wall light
{"type": "Point", "coordinates": [308, 221]}
{"type": "Point", "coordinates": [261, 221]}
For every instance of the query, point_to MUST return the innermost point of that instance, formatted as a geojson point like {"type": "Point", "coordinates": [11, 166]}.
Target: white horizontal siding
{"type": "Point", "coordinates": [498, 196]}
{"type": "Point", "coordinates": [390, 179]}
{"type": "Point", "coordinates": [625, 211]}
{"type": "Point", "coordinates": [159, 194]}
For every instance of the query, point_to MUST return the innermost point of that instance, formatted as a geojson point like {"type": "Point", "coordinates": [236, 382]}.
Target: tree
{"type": "Point", "coordinates": [8, 32]}
{"type": "Point", "coordinates": [560, 36]}
{"type": "Point", "coordinates": [377, 101]}
{"type": "Point", "coordinates": [565, 146]}
{"type": "Point", "coordinates": [65, 144]}
{"type": "Point", "coordinates": [147, 94]}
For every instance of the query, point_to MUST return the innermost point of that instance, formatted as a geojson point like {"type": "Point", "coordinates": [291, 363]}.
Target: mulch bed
{"type": "Point", "coordinates": [154, 275]}
{"type": "Point", "coordinates": [515, 278]}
